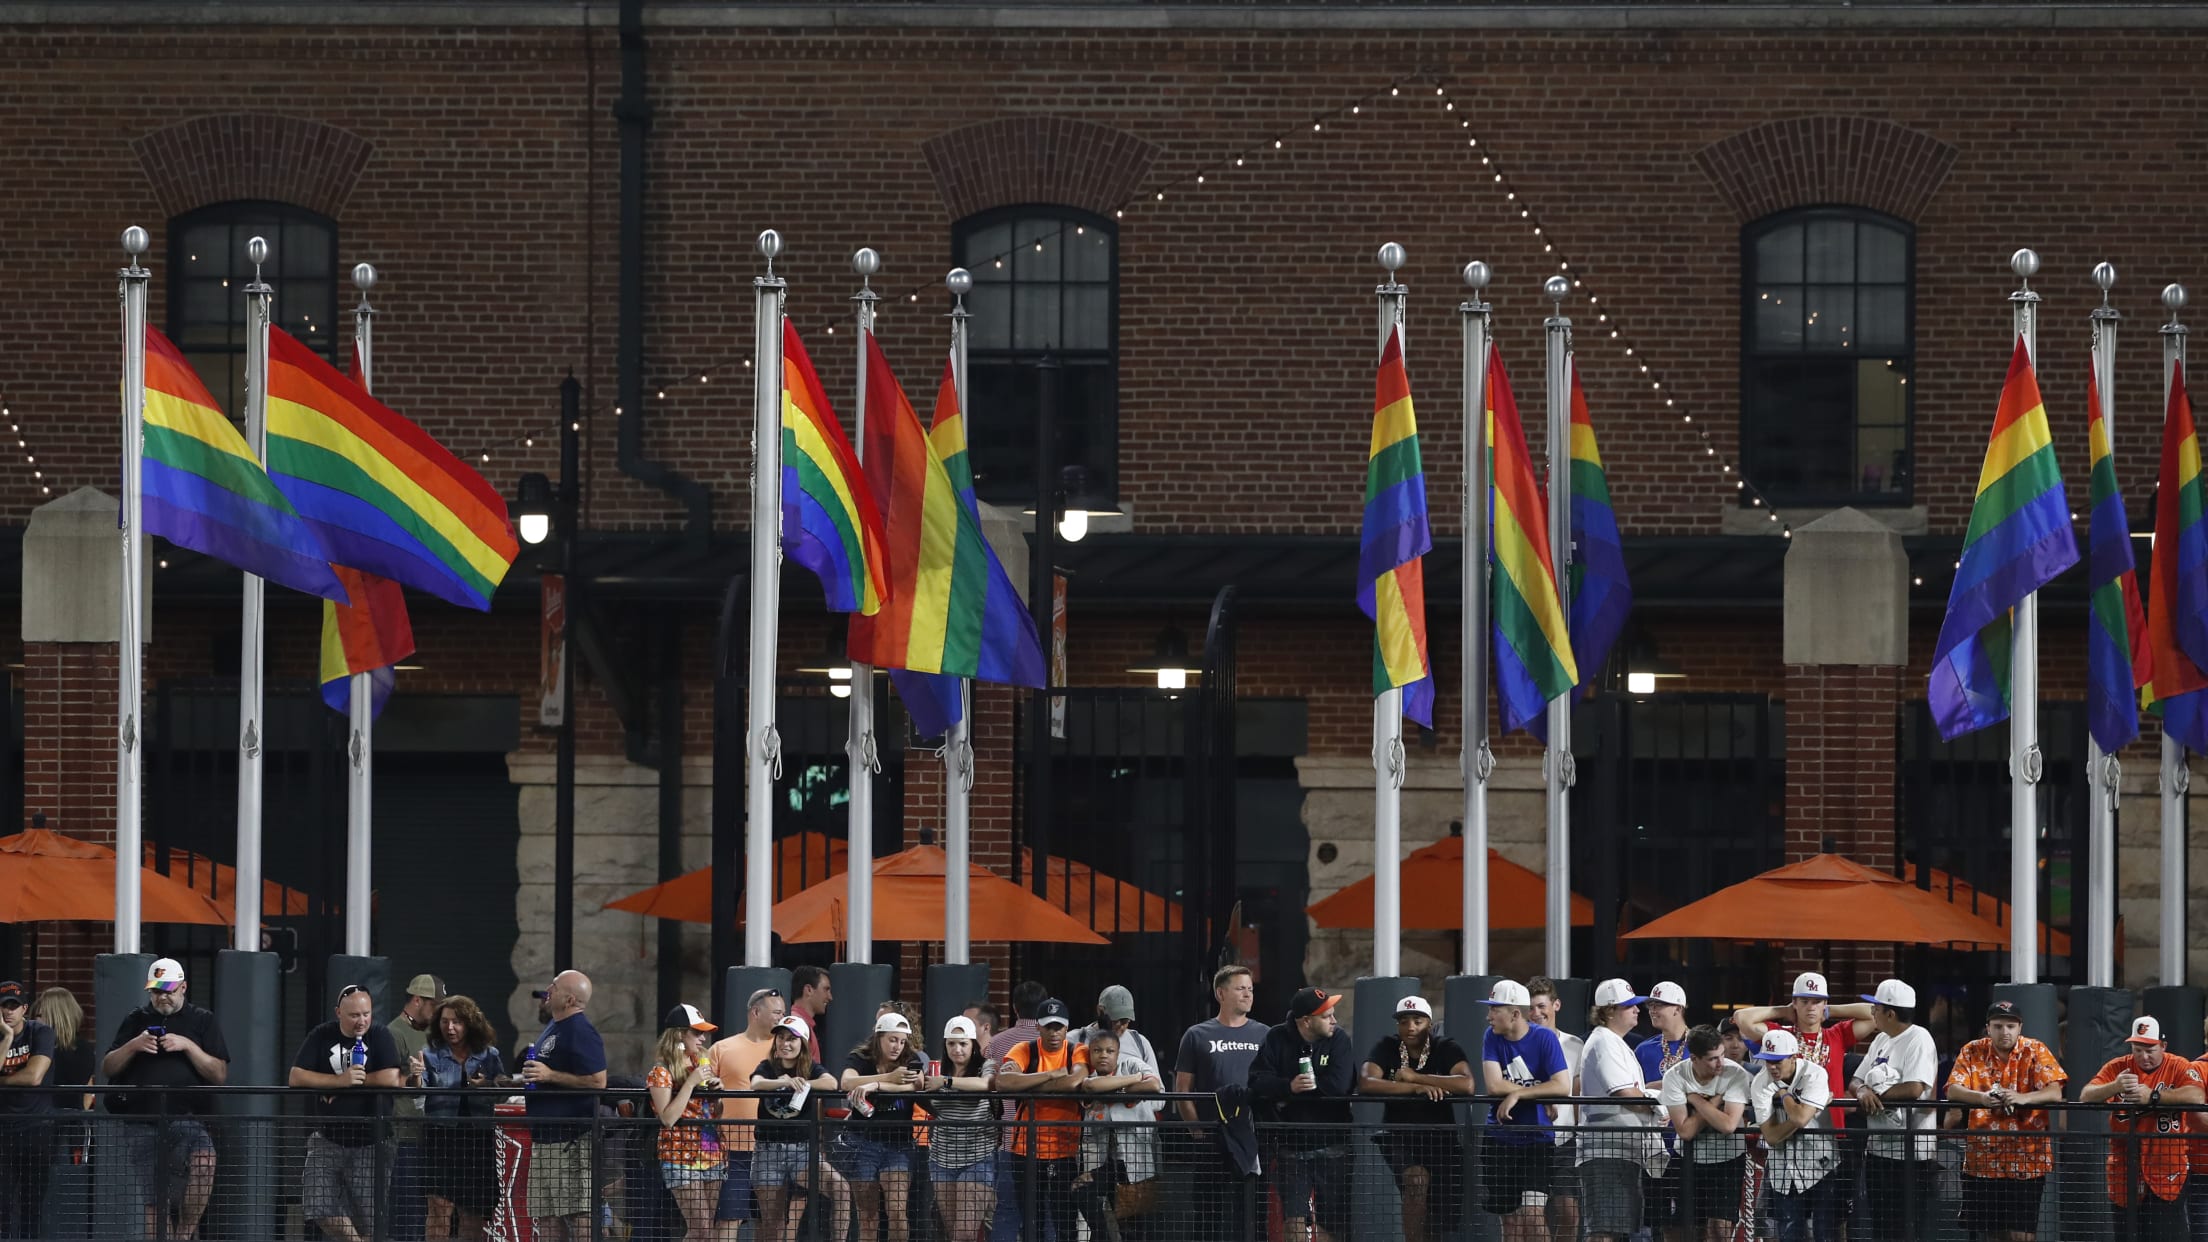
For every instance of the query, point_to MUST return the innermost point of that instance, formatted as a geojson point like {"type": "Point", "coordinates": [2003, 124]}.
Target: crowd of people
{"type": "Point", "coordinates": [1786, 1119]}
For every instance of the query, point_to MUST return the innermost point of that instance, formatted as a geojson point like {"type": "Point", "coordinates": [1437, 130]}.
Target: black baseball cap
{"type": "Point", "coordinates": [1309, 1001]}
{"type": "Point", "coordinates": [2003, 1009]}
{"type": "Point", "coordinates": [12, 993]}
{"type": "Point", "coordinates": [1054, 1010]}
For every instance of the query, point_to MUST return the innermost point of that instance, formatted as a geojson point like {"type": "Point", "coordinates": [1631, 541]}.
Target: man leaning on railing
{"type": "Point", "coordinates": [2143, 1083]}
{"type": "Point", "coordinates": [2003, 1078]}
{"type": "Point", "coordinates": [1306, 1069]}
{"type": "Point", "coordinates": [168, 1043]}
{"type": "Point", "coordinates": [348, 1156]}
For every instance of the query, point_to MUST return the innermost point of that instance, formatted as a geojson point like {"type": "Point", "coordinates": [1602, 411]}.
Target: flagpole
{"type": "Point", "coordinates": [763, 753]}
{"type": "Point", "coordinates": [958, 746]}
{"type": "Point", "coordinates": [1557, 767]}
{"type": "Point", "coordinates": [2103, 776]}
{"type": "Point", "coordinates": [1476, 760]}
{"type": "Point", "coordinates": [2176, 777]}
{"type": "Point", "coordinates": [360, 703]}
{"type": "Point", "coordinates": [253, 645]}
{"type": "Point", "coordinates": [130, 656]}
{"type": "Point", "coordinates": [2024, 756]}
{"type": "Point", "coordinates": [1387, 728]}
{"type": "Point", "coordinates": [860, 745]}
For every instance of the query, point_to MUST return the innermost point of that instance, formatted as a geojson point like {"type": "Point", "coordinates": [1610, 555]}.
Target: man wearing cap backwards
{"type": "Point", "coordinates": [2141, 1086]}
{"type": "Point", "coordinates": [26, 1135]}
{"type": "Point", "coordinates": [1619, 1153]}
{"type": "Point", "coordinates": [2004, 1077]}
{"type": "Point", "coordinates": [1521, 1064]}
{"type": "Point", "coordinates": [168, 1043]}
{"type": "Point", "coordinates": [1791, 1094]}
{"type": "Point", "coordinates": [410, 1031]}
{"type": "Point", "coordinates": [734, 1059]}
{"type": "Point", "coordinates": [1901, 1166]}
{"type": "Point", "coordinates": [1115, 1012]}
{"type": "Point", "coordinates": [1049, 1064]}
{"type": "Point", "coordinates": [1420, 1070]}
{"type": "Point", "coordinates": [1311, 1106]}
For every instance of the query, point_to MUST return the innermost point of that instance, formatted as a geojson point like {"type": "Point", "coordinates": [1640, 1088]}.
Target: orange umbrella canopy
{"type": "Point", "coordinates": [1962, 894]}
{"type": "Point", "coordinates": [1433, 894]}
{"type": "Point", "coordinates": [1105, 904]}
{"type": "Point", "coordinates": [47, 876]}
{"type": "Point", "coordinates": [802, 859]}
{"type": "Point", "coordinates": [1825, 898]}
{"type": "Point", "coordinates": [908, 905]}
{"type": "Point", "coordinates": [219, 881]}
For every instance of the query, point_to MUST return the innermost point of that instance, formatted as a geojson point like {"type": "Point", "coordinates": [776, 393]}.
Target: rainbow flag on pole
{"type": "Point", "coordinates": [1391, 574]}
{"type": "Point", "coordinates": [204, 490]}
{"type": "Point", "coordinates": [2177, 605]}
{"type": "Point", "coordinates": [370, 636]}
{"type": "Point", "coordinates": [2118, 659]}
{"type": "Point", "coordinates": [830, 524]}
{"type": "Point", "coordinates": [1602, 597]}
{"type": "Point", "coordinates": [2020, 537]}
{"type": "Point", "coordinates": [1533, 641]}
{"type": "Point", "coordinates": [386, 498]}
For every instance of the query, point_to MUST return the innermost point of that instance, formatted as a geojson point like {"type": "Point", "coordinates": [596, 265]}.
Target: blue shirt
{"type": "Point", "coordinates": [571, 1046]}
{"type": "Point", "coordinates": [1528, 1061]}
{"type": "Point", "coordinates": [1651, 1052]}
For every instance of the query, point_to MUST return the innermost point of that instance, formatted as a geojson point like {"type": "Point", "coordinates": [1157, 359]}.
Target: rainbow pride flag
{"type": "Point", "coordinates": [2118, 658]}
{"type": "Point", "coordinates": [370, 636]}
{"type": "Point", "coordinates": [386, 498]}
{"type": "Point", "coordinates": [1391, 570]}
{"type": "Point", "coordinates": [1601, 594]}
{"type": "Point", "coordinates": [2020, 537]}
{"type": "Point", "coordinates": [1533, 641]}
{"type": "Point", "coordinates": [2177, 603]}
{"type": "Point", "coordinates": [203, 489]}
{"type": "Point", "coordinates": [830, 523]}
{"type": "Point", "coordinates": [952, 611]}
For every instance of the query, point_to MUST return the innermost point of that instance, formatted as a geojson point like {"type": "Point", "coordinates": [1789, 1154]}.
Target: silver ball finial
{"type": "Point", "coordinates": [1477, 274]}
{"type": "Point", "coordinates": [866, 262]}
{"type": "Point", "coordinates": [364, 276]}
{"type": "Point", "coordinates": [136, 241]}
{"type": "Point", "coordinates": [2025, 263]}
{"type": "Point", "coordinates": [1392, 257]}
{"type": "Point", "coordinates": [256, 251]}
{"type": "Point", "coordinates": [2173, 297]}
{"type": "Point", "coordinates": [960, 281]}
{"type": "Point", "coordinates": [2104, 276]}
{"type": "Point", "coordinates": [770, 245]}
{"type": "Point", "coordinates": [1557, 288]}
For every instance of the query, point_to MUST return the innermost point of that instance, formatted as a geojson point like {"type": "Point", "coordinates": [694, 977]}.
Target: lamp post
{"type": "Point", "coordinates": [539, 509]}
{"type": "Point", "coordinates": [1041, 600]}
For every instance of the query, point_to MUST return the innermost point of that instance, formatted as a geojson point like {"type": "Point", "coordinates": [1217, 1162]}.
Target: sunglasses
{"type": "Point", "coordinates": [349, 989]}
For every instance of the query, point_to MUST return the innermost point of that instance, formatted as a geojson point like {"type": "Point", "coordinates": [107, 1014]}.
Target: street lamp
{"type": "Point", "coordinates": [1171, 663]}
{"type": "Point", "coordinates": [540, 507]}
{"type": "Point", "coordinates": [1074, 502]}
{"type": "Point", "coordinates": [533, 504]}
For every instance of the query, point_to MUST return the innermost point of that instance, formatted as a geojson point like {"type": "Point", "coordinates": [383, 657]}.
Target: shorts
{"type": "Point", "coordinates": [775, 1165]}
{"type": "Point", "coordinates": [1660, 1201]}
{"type": "Point", "coordinates": [1612, 1196]}
{"type": "Point", "coordinates": [460, 1165]}
{"type": "Point", "coordinates": [341, 1183]}
{"type": "Point", "coordinates": [982, 1172]}
{"type": "Point", "coordinates": [179, 1139]}
{"type": "Point", "coordinates": [864, 1160]}
{"type": "Point", "coordinates": [1716, 1191]}
{"type": "Point", "coordinates": [683, 1175]}
{"type": "Point", "coordinates": [2001, 1204]}
{"type": "Point", "coordinates": [1315, 1185]}
{"type": "Point", "coordinates": [1512, 1174]}
{"type": "Point", "coordinates": [559, 1178]}
{"type": "Point", "coordinates": [735, 1188]}
{"type": "Point", "coordinates": [1564, 1173]}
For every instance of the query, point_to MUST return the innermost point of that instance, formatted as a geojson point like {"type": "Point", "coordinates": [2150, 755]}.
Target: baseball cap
{"type": "Point", "coordinates": [1668, 993]}
{"type": "Point", "coordinates": [1054, 1013]}
{"type": "Point", "coordinates": [961, 1027]}
{"type": "Point", "coordinates": [166, 975]}
{"type": "Point", "coordinates": [2145, 1031]}
{"type": "Point", "coordinates": [2004, 1009]}
{"type": "Point", "coordinates": [1507, 992]}
{"type": "Point", "coordinates": [1617, 992]}
{"type": "Point", "coordinates": [1894, 994]}
{"type": "Point", "coordinates": [1809, 985]}
{"type": "Point", "coordinates": [1414, 1004]}
{"type": "Point", "coordinates": [11, 993]}
{"type": "Point", "coordinates": [1778, 1045]}
{"type": "Point", "coordinates": [1116, 1003]}
{"type": "Point", "coordinates": [426, 985]}
{"type": "Point", "coordinates": [892, 1023]}
{"type": "Point", "coordinates": [681, 1017]}
{"type": "Point", "coordinates": [1309, 1001]}
{"type": "Point", "coordinates": [795, 1025]}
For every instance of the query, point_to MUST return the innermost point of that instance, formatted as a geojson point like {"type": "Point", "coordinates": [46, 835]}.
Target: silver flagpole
{"type": "Point", "coordinates": [1476, 761]}
{"type": "Point", "coordinates": [859, 746]}
{"type": "Point", "coordinates": [763, 749]}
{"type": "Point", "coordinates": [360, 778]}
{"type": "Point", "coordinates": [1557, 767]}
{"type": "Point", "coordinates": [1387, 731]}
{"type": "Point", "coordinates": [2103, 776]}
{"type": "Point", "coordinates": [253, 645]}
{"type": "Point", "coordinates": [2024, 757]}
{"type": "Point", "coordinates": [130, 656]}
{"type": "Point", "coordinates": [958, 747]}
{"type": "Point", "coordinates": [2176, 776]}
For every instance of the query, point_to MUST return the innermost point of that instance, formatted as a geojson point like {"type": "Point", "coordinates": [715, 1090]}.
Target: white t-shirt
{"type": "Point", "coordinates": [1607, 1065]}
{"type": "Point", "coordinates": [1566, 1114]}
{"type": "Point", "coordinates": [1730, 1086]}
{"type": "Point", "coordinates": [1809, 1153]}
{"type": "Point", "coordinates": [1128, 1125]}
{"type": "Point", "coordinates": [1893, 1059]}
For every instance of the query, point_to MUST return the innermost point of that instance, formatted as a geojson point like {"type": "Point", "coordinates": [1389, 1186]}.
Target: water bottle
{"type": "Point", "coordinates": [360, 1054]}
{"type": "Point", "coordinates": [528, 1054]}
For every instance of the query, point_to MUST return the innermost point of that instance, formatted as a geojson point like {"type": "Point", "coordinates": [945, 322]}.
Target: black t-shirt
{"type": "Point", "coordinates": [1442, 1057]}
{"type": "Point", "coordinates": [166, 1069]}
{"type": "Point", "coordinates": [327, 1051]}
{"type": "Point", "coordinates": [73, 1068]}
{"type": "Point", "coordinates": [571, 1046]}
{"type": "Point", "coordinates": [779, 1121]}
{"type": "Point", "coordinates": [36, 1039]}
{"type": "Point", "coordinates": [891, 1124]}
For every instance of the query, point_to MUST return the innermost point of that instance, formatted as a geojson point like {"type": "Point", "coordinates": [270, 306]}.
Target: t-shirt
{"type": "Point", "coordinates": [1907, 1057]}
{"type": "Point", "coordinates": [1575, 1048]}
{"type": "Point", "coordinates": [36, 1039]}
{"type": "Point", "coordinates": [1441, 1059]}
{"type": "Point", "coordinates": [1607, 1064]}
{"type": "Point", "coordinates": [786, 1116]}
{"type": "Point", "coordinates": [326, 1050]}
{"type": "Point", "coordinates": [686, 1144]}
{"type": "Point", "coordinates": [1828, 1048]}
{"type": "Point", "coordinates": [166, 1069]}
{"type": "Point", "coordinates": [1728, 1086]}
{"type": "Point", "coordinates": [1528, 1061]}
{"type": "Point", "coordinates": [2161, 1162]}
{"type": "Point", "coordinates": [410, 1043]}
{"type": "Point", "coordinates": [1054, 1140]}
{"type": "Point", "coordinates": [891, 1124]}
{"type": "Point", "coordinates": [2031, 1067]}
{"type": "Point", "coordinates": [1811, 1152]}
{"type": "Point", "coordinates": [1657, 1055]}
{"type": "Point", "coordinates": [571, 1046]}
{"type": "Point", "coordinates": [1214, 1054]}
{"type": "Point", "coordinates": [73, 1068]}
{"type": "Point", "coordinates": [733, 1060]}
{"type": "Point", "coordinates": [962, 1129]}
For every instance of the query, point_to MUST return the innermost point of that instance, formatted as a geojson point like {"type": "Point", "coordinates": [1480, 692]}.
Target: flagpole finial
{"type": "Point", "coordinates": [2173, 297]}
{"type": "Point", "coordinates": [770, 245]}
{"type": "Point", "coordinates": [2025, 263]}
{"type": "Point", "coordinates": [256, 251]}
{"type": "Point", "coordinates": [1558, 289]}
{"type": "Point", "coordinates": [1477, 274]}
{"type": "Point", "coordinates": [2104, 278]}
{"type": "Point", "coordinates": [136, 241]}
{"type": "Point", "coordinates": [364, 277]}
{"type": "Point", "coordinates": [866, 261]}
{"type": "Point", "coordinates": [1392, 257]}
{"type": "Point", "coordinates": [960, 282]}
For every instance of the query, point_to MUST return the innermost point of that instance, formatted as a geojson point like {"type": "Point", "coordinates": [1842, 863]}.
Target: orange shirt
{"type": "Point", "coordinates": [2162, 1162]}
{"type": "Point", "coordinates": [734, 1060]}
{"type": "Point", "coordinates": [1058, 1129]}
{"type": "Point", "coordinates": [2031, 1067]}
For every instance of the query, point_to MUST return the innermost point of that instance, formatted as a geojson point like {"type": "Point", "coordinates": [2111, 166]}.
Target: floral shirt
{"type": "Point", "coordinates": [2031, 1067]}
{"type": "Point", "coordinates": [688, 1144]}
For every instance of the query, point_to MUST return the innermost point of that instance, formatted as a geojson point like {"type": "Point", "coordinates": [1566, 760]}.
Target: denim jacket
{"type": "Point", "coordinates": [441, 1069]}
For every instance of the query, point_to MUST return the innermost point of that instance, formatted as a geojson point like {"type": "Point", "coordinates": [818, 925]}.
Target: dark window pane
{"type": "Point", "coordinates": [1089, 256]}
{"type": "Point", "coordinates": [1035, 318]}
{"type": "Point", "coordinates": [1827, 313]}
{"type": "Point", "coordinates": [1039, 251]}
{"type": "Point", "coordinates": [209, 272]}
{"type": "Point", "coordinates": [1779, 318]}
{"type": "Point", "coordinates": [206, 314]}
{"type": "Point", "coordinates": [991, 324]}
{"type": "Point", "coordinates": [1831, 250]}
{"type": "Point", "coordinates": [1088, 320]}
{"type": "Point", "coordinates": [1882, 318]}
{"type": "Point", "coordinates": [983, 250]}
{"type": "Point", "coordinates": [1779, 255]}
{"type": "Point", "coordinates": [1884, 257]}
{"type": "Point", "coordinates": [1803, 425]}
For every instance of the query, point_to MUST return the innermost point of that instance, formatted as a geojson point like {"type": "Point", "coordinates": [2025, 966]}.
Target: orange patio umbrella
{"type": "Point", "coordinates": [1433, 894]}
{"type": "Point", "coordinates": [45, 876]}
{"type": "Point", "coordinates": [219, 881]}
{"type": "Point", "coordinates": [688, 898]}
{"type": "Point", "coordinates": [1961, 893]}
{"type": "Point", "coordinates": [908, 905]}
{"type": "Point", "coordinates": [1825, 898]}
{"type": "Point", "coordinates": [1107, 905]}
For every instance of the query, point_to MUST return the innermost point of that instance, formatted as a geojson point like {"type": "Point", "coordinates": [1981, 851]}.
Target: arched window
{"type": "Point", "coordinates": [1046, 280]}
{"type": "Point", "coordinates": [1828, 344]}
{"type": "Point", "coordinates": [208, 272]}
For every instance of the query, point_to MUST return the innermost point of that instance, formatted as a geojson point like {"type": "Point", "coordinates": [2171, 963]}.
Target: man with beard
{"type": "Point", "coordinates": [168, 1043]}
{"type": "Point", "coordinates": [2142, 1086]}
{"type": "Point", "coordinates": [2004, 1077]}
{"type": "Point", "coordinates": [1421, 1071]}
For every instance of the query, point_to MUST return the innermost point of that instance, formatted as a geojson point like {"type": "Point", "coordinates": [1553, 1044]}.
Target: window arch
{"type": "Point", "coordinates": [208, 272]}
{"type": "Point", "coordinates": [1828, 345]}
{"type": "Point", "coordinates": [1046, 280]}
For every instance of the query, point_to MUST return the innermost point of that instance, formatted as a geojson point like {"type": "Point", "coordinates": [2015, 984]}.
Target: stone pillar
{"type": "Point", "coordinates": [1846, 646]}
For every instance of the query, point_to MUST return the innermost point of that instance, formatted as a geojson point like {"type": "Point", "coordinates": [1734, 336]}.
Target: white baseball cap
{"type": "Point", "coordinates": [1414, 1004]}
{"type": "Point", "coordinates": [795, 1025]}
{"type": "Point", "coordinates": [1668, 993]}
{"type": "Point", "coordinates": [1894, 994]}
{"type": "Point", "coordinates": [1617, 992]}
{"type": "Point", "coordinates": [1506, 992]}
{"type": "Point", "coordinates": [1809, 985]}
{"type": "Point", "coordinates": [166, 975]}
{"type": "Point", "coordinates": [892, 1023]}
{"type": "Point", "coordinates": [961, 1027]}
{"type": "Point", "coordinates": [1778, 1045]}
{"type": "Point", "coordinates": [2145, 1031]}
